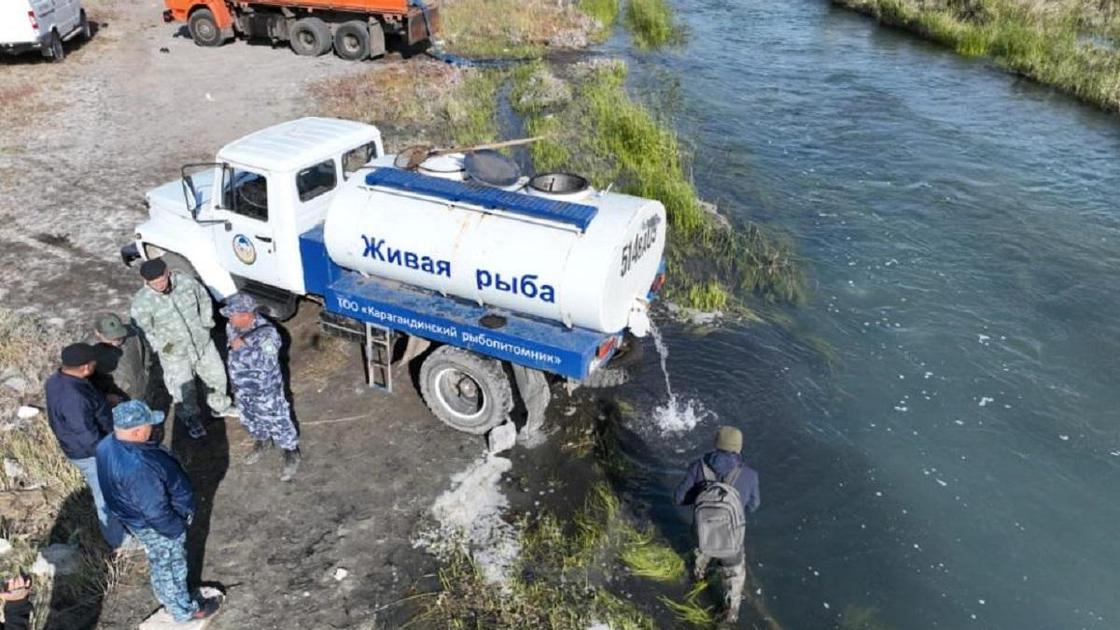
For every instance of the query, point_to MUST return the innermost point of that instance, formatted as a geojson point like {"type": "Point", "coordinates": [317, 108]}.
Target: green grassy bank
{"type": "Point", "coordinates": [617, 142]}
{"type": "Point", "coordinates": [1073, 45]}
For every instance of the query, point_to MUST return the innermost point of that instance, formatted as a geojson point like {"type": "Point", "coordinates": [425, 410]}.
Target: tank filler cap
{"type": "Point", "coordinates": [487, 166]}
{"type": "Point", "coordinates": [560, 186]}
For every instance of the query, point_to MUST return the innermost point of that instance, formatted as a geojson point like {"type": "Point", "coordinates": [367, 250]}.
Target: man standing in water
{"type": "Point", "coordinates": [176, 315]}
{"type": "Point", "coordinates": [254, 370]}
{"type": "Point", "coordinates": [721, 488]}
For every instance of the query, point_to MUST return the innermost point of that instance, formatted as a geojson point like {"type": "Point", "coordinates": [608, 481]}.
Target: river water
{"type": "Point", "coordinates": [959, 466]}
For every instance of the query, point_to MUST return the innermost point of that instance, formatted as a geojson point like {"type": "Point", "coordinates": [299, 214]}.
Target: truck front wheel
{"type": "Point", "coordinates": [466, 391]}
{"type": "Point", "coordinates": [204, 28]}
{"type": "Point", "coordinates": [310, 37]}
{"type": "Point", "coordinates": [351, 41]}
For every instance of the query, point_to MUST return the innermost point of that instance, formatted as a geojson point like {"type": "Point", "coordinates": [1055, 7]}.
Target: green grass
{"type": "Point", "coordinates": [559, 584]}
{"type": "Point", "coordinates": [617, 142]}
{"type": "Point", "coordinates": [648, 559]}
{"type": "Point", "coordinates": [650, 22]}
{"type": "Point", "coordinates": [472, 115]}
{"type": "Point", "coordinates": [604, 12]}
{"type": "Point", "coordinates": [691, 611]}
{"type": "Point", "coordinates": [1049, 41]}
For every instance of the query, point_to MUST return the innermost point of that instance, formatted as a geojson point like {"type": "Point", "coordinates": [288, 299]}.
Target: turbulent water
{"type": "Point", "coordinates": [959, 467]}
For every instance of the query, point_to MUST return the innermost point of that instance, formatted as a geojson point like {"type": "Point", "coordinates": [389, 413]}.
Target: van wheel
{"type": "Point", "coordinates": [204, 28]}
{"type": "Point", "coordinates": [466, 391]}
{"type": "Point", "coordinates": [351, 41]}
{"type": "Point", "coordinates": [55, 51]}
{"type": "Point", "coordinates": [83, 25]}
{"type": "Point", "coordinates": [310, 37]}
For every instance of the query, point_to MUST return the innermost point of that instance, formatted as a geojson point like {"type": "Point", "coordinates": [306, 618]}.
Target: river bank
{"type": "Point", "coordinates": [1072, 45]}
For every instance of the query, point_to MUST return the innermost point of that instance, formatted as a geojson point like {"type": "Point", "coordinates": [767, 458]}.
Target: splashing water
{"type": "Point", "coordinates": [676, 415]}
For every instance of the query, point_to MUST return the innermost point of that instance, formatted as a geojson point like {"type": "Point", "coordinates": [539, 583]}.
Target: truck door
{"type": "Point", "coordinates": [243, 235]}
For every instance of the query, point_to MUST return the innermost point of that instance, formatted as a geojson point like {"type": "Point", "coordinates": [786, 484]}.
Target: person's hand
{"type": "Point", "coordinates": [236, 343]}
{"type": "Point", "coordinates": [16, 589]}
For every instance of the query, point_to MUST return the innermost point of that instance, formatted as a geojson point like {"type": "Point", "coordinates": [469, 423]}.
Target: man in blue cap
{"type": "Point", "coordinates": [148, 490]}
{"type": "Point", "coordinates": [258, 382]}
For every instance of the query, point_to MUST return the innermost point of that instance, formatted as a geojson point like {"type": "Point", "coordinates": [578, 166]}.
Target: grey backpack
{"type": "Point", "coordinates": [718, 515]}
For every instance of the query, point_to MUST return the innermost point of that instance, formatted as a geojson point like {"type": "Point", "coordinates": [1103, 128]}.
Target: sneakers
{"type": "Point", "coordinates": [291, 464]}
{"type": "Point", "coordinates": [207, 608]}
{"type": "Point", "coordinates": [259, 448]}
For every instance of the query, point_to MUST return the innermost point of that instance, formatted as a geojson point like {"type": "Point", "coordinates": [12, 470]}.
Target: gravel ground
{"type": "Point", "coordinates": [119, 116]}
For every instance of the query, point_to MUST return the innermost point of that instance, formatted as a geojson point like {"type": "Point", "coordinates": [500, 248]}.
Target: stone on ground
{"type": "Point", "coordinates": [161, 620]}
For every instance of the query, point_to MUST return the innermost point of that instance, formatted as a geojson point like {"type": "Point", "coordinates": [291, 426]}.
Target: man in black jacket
{"type": "Point", "coordinates": [80, 416]}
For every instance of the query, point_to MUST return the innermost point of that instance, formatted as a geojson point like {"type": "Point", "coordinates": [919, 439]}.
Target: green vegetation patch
{"type": "Point", "coordinates": [650, 22]}
{"type": "Point", "coordinates": [603, 12]}
{"type": "Point", "coordinates": [559, 581]}
{"type": "Point", "coordinates": [1070, 44]}
{"type": "Point", "coordinates": [616, 142]}
{"type": "Point", "coordinates": [423, 101]}
{"type": "Point", "coordinates": [514, 28]}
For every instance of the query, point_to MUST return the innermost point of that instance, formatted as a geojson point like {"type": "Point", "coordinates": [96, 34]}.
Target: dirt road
{"type": "Point", "coordinates": [120, 115]}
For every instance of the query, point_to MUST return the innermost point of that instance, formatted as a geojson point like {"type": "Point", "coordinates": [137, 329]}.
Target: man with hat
{"type": "Point", "coordinates": [720, 483]}
{"type": "Point", "coordinates": [79, 415]}
{"type": "Point", "coordinates": [258, 382]}
{"type": "Point", "coordinates": [123, 359]}
{"type": "Point", "coordinates": [147, 488]}
{"type": "Point", "coordinates": [176, 315]}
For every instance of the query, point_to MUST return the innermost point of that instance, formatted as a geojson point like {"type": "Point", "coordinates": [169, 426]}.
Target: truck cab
{"type": "Point", "coordinates": [236, 222]}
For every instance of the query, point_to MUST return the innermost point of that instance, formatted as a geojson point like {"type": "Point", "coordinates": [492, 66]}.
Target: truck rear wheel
{"type": "Point", "coordinates": [310, 37]}
{"type": "Point", "coordinates": [84, 27]}
{"type": "Point", "coordinates": [204, 28]}
{"type": "Point", "coordinates": [466, 391]}
{"type": "Point", "coordinates": [351, 41]}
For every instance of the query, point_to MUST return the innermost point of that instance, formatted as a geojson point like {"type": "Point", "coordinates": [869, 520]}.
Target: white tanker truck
{"type": "Point", "coordinates": [479, 267]}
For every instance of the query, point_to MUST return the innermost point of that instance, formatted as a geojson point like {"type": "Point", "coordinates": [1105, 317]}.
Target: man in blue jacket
{"type": "Point", "coordinates": [79, 416]}
{"type": "Point", "coordinates": [147, 488]}
{"type": "Point", "coordinates": [723, 461]}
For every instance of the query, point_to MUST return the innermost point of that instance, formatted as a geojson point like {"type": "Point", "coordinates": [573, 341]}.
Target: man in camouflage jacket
{"type": "Point", "coordinates": [176, 315]}
{"type": "Point", "coordinates": [258, 382]}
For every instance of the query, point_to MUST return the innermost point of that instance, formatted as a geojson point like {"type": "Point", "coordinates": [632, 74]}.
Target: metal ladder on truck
{"type": "Point", "coordinates": [378, 346]}
{"type": "Point", "coordinates": [379, 357]}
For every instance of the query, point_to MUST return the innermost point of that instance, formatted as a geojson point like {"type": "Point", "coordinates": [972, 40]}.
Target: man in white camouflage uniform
{"type": "Point", "coordinates": [176, 315]}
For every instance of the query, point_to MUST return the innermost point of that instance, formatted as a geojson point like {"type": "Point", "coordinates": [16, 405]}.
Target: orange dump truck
{"type": "Point", "coordinates": [355, 29]}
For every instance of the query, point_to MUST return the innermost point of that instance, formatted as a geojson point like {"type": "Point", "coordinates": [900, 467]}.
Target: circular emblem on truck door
{"type": "Point", "coordinates": [244, 250]}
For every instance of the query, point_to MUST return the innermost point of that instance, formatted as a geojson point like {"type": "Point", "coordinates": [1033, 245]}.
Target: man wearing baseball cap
{"type": "Point", "coordinates": [80, 416]}
{"type": "Point", "coordinates": [176, 315]}
{"type": "Point", "coordinates": [123, 359]}
{"type": "Point", "coordinates": [147, 488]}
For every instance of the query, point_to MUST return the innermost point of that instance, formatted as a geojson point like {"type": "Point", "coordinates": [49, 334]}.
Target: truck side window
{"type": "Point", "coordinates": [245, 193]}
{"type": "Point", "coordinates": [316, 180]}
{"type": "Point", "coordinates": [356, 158]}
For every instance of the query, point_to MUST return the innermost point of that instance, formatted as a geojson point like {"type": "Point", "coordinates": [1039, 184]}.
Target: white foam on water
{"type": "Point", "coordinates": [677, 415]}
{"type": "Point", "coordinates": [470, 519]}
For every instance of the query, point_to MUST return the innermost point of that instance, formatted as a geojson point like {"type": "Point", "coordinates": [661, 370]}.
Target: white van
{"type": "Point", "coordinates": [41, 25]}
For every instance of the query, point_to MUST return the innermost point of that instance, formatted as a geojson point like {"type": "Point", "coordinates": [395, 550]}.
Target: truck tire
{"type": "Point", "coordinates": [55, 50]}
{"type": "Point", "coordinates": [351, 41]}
{"type": "Point", "coordinates": [466, 391]}
{"type": "Point", "coordinates": [310, 37]}
{"type": "Point", "coordinates": [204, 28]}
